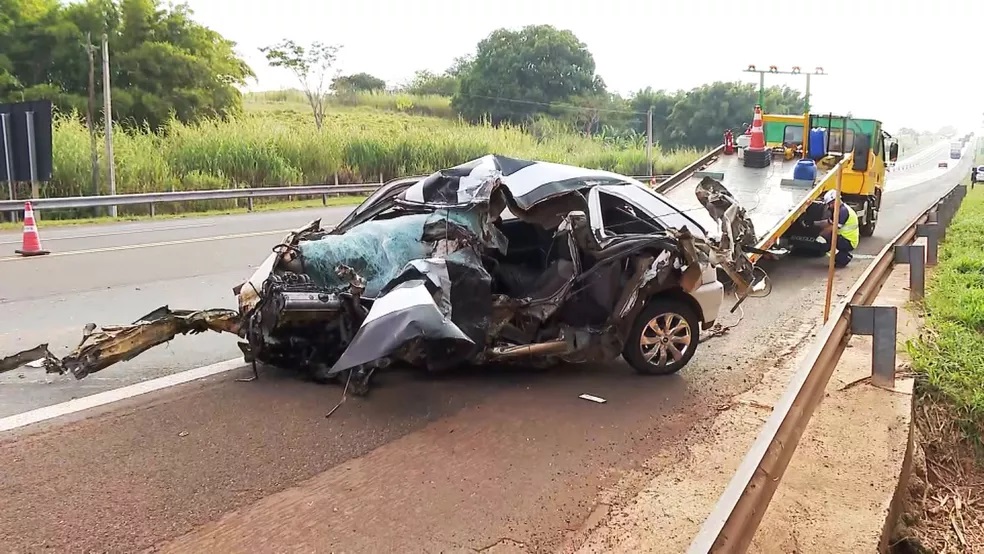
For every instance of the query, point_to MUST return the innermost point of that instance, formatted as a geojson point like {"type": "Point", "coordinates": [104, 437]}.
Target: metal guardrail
{"type": "Point", "coordinates": [739, 511]}
{"type": "Point", "coordinates": [184, 196]}
{"type": "Point", "coordinates": [153, 198]}
{"type": "Point", "coordinates": [685, 173]}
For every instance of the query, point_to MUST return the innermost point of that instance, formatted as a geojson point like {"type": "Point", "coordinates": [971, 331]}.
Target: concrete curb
{"type": "Point", "coordinates": [901, 495]}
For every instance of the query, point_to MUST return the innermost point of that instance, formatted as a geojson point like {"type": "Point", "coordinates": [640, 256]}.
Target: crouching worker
{"type": "Point", "coordinates": [848, 232]}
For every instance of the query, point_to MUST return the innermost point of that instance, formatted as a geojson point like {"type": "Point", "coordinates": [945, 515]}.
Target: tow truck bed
{"type": "Point", "coordinates": [771, 205]}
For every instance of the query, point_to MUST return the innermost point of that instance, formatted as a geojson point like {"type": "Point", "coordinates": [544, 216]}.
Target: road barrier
{"type": "Point", "coordinates": [680, 176]}
{"type": "Point", "coordinates": [153, 198]}
{"type": "Point", "coordinates": [739, 511]}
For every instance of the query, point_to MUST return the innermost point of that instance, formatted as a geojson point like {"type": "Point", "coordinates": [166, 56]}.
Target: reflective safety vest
{"type": "Point", "coordinates": [850, 230]}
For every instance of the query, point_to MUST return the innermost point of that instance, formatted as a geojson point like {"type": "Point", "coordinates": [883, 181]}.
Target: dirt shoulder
{"type": "Point", "coordinates": [838, 491]}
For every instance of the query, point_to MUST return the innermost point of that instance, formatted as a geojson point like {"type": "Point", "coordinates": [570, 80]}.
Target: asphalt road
{"type": "Point", "coordinates": [924, 165]}
{"type": "Point", "coordinates": [459, 463]}
{"type": "Point", "coordinates": [115, 274]}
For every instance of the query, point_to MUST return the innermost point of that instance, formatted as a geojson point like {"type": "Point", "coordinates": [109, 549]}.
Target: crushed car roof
{"type": "Point", "coordinates": [528, 182]}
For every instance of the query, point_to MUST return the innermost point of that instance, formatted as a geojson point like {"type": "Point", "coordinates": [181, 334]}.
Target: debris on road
{"type": "Point", "coordinates": [593, 398]}
{"type": "Point", "coordinates": [495, 260]}
{"type": "Point", "coordinates": [104, 347]}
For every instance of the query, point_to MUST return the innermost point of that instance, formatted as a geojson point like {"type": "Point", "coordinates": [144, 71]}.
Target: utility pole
{"type": "Point", "coordinates": [90, 120]}
{"type": "Point", "coordinates": [649, 141]}
{"type": "Point", "coordinates": [773, 70]}
{"type": "Point", "coordinates": [108, 115]}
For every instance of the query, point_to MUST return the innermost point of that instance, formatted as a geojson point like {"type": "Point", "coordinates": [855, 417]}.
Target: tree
{"type": "Point", "coordinates": [427, 83]}
{"type": "Point", "coordinates": [310, 65]}
{"type": "Point", "coordinates": [162, 62]}
{"type": "Point", "coordinates": [590, 113]}
{"type": "Point", "coordinates": [661, 103]}
{"type": "Point", "coordinates": [516, 75]}
{"type": "Point", "coordinates": [360, 82]}
{"type": "Point", "coordinates": [700, 116]}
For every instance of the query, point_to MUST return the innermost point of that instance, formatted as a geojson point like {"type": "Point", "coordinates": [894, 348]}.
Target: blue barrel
{"type": "Point", "coordinates": [818, 142]}
{"type": "Point", "coordinates": [805, 170]}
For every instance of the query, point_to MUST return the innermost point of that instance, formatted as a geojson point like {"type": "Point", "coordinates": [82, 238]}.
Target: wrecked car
{"type": "Point", "coordinates": [493, 261]}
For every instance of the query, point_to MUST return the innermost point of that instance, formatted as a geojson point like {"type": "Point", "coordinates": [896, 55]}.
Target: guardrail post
{"type": "Point", "coordinates": [951, 208]}
{"type": "Point", "coordinates": [942, 217]}
{"type": "Point", "coordinates": [881, 324]}
{"type": "Point", "coordinates": [931, 232]}
{"type": "Point", "coordinates": [961, 191]}
{"type": "Point", "coordinates": [152, 210]}
{"type": "Point", "coordinates": [915, 256]}
{"type": "Point", "coordinates": [959, 194]}
{"type": "Point", "coordinates": [249, 204]}
{"type": "Point", "coordinates": [324, 199]}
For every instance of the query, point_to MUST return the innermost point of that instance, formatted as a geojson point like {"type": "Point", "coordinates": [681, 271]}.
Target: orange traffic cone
{"type": "Point", "coordinates": [31, 245]}
{"type": "Point", "coordinates": [756, 155]}
{"type": "Point", "coordinates": [758, 132]}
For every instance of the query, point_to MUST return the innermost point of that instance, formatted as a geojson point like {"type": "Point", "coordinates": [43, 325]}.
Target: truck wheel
{"type": "Point", "coordinates": [663, 338]}
{"type": "Point", "coordinates": [868, 227]}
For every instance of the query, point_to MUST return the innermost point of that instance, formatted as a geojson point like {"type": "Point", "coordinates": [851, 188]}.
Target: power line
{"type": "Point", "coordinates": [550, 104]}
{"type": "Point", "coordinates": [535, 103]}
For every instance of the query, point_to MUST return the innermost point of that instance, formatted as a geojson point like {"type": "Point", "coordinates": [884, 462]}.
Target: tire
{"type": "Point", "coordinates": [868, 227]}
{"type": "Point", "coordinates": [665, 313]}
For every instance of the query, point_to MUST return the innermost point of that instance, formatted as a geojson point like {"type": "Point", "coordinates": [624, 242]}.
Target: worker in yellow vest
{"type": "Point", "coordinates": [848, 229]}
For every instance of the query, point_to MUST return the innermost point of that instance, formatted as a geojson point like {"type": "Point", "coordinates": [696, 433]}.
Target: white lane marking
{"type": "Point", "coordinates": [108, 397]}
{"type": "Point", "coordinates": [140, 230]}
{"type": "Point", "coordinates": [149, 245]}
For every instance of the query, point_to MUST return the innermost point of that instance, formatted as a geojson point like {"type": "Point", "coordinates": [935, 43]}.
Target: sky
{"type": "Point", "coordinates": [910, 63]}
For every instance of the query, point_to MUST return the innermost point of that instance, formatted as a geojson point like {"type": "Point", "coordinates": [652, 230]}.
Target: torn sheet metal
{"type": "Point", "coordinates": [735, 225]}
{"type": "Point", "coordinates": [406, 313]}
{"type": "Point", "coordinates": [26, 357]}
{"type": "Point", "coordinates": [101, 348]}
{"type": "Point", "coordinates": [737, 232]}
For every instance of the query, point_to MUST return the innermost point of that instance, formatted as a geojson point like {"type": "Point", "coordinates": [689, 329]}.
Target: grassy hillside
{"type": "Point", "coordinates": [276, 143]}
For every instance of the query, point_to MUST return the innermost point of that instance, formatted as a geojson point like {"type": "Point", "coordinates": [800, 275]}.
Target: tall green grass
{"type": "Point", "coordinates": [275, 147]}
{"type": "Point", "coordinates": [413, 104]}
{"type": "Point", "coordinates": [950, 354]}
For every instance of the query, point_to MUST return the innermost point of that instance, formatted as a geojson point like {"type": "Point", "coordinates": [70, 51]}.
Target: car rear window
{"type": "Point", "coordinates": [662, 209]}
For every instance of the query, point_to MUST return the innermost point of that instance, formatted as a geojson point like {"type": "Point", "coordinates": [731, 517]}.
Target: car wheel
{"type": "Point", "coordinates": [663, 338]}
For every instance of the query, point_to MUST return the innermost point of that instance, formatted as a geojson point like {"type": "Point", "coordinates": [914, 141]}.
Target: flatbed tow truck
{"type": "Point", "coordinates": [781, 208]}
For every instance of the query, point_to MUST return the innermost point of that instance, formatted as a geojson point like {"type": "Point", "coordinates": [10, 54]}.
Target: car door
{"type": "Point", "coordinates": [644, 205]}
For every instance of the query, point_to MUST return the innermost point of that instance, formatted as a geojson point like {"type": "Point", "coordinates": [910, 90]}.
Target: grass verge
{"type": "Point", "coordinates": [950, 353]}
{"type": "Point", "coordinates": [258, 206]}
{"type": "Point", "coordinates": [945, 507]}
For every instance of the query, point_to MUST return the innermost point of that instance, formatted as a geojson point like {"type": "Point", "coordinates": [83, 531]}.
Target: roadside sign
{"type": "Point", "coordinates": [25, 142]}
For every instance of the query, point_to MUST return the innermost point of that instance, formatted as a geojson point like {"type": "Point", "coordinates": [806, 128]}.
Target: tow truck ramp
{"type": "Point", "coordinates": [772, 199]}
